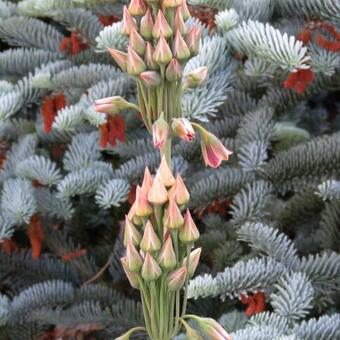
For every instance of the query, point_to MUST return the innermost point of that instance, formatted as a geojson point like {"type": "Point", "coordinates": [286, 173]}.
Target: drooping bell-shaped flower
{"type": "Point", "coordinates": [128, 22]}
{"type": "Point", "coordinates": [132, 277]}
{"type": "Point", "coordinates": [167, 256]}
{"type": "Point", "coordinates": [135, 261]}
{"type": "Point", "coordinates": [173, 218]}
{"type": "Point", "coordinates": [158, 193]}
{"type": "Point", "coordinates": [162, 54]}
{"type": "Point", "coordinates": [173, 71]}
{"type": "Point", "coordinates": [150, 241]}
{"type": "Point", "coordinates": [183, 129]}
{"type": "Point", "coordinates": [131, 234]}
{"type": "Point", "coordinates": [137, 42]}
{"type": "Point", "coordinates": [193, 261]}
{"type": "Point", "coordinates": [160, 132]}
{"type": "Point", "coordinates": [195, 78]}
{"type": "Point", "coordinates": [165, 173]}
{"type": "Point", "coordinates": [146, 25]}
{"type": "Point", "coordinates": [113, 104]}
{"type": "Point", "coordinates": [179, 192]}
{"type": "Point", "coordinates": [135, 64]}
{"type": "Point", "coordinates": [151, 78]}
{"type": "Point", "coordinates": [137, 7]}
{"type": "Point", "coordinates": [179, 22]}
{"type": "Point", "coordinates": [213, 150]}
{"type": "Point", "coordinates": [148, 57]}
{"type": "Point", "coordinates": [180, 48]}
{"type": "Point", "coordinates": [143, 207]}
{"type": "Point", "coordinates": [176, 279]}
{"type": "Point", "coordinates": [193, 39]}
{"type": "Point", "coordinates": [151, 270]}
{"type": "Point", "coordinates": [119, 57]}
{"type": "Point", "coordinates": [212, 329]}
{"type": "Point", "coordinates": [189, 232]}
{"type": "Point", "coordinates": [161, 27]}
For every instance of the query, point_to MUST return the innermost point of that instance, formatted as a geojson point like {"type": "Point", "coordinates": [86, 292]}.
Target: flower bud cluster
{"type": "Point", "coordinates": [160, 232]}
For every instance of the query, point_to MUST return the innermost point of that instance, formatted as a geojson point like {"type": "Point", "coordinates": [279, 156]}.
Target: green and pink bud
{"type": "Point", "coordinates": [184, 10]}
{"type": "Point", "coordinates": [179, 22]}
{"type": "Point", "coordinates": [167, 256]}
{"type": "Point", "coordinates": [161, 27]}
{"type": "Point", "coordinates": [142, 205]}
{"type": "Point", "coordinates": [147, 181]}
{"type": "Point", "coordinates": [128, 23]}
{"type": "Point", "coordinates": [120, 58]}
{"type": "Point", "coordinates": [160, 132]}
{"type": "Point", "coordinates": [173, 218]}
{"type": "Point", "coordinates": [195, 78]}
{"type": "Point", "coordinates": [158, 194]}
{"type": "Point", "coordinates": [113, 105]}
{"type": "Point", "coordinates": [193, 39]}
{"type": "Point", "coordinates": [213, 151]}
{"type": "Point", "coordinates": [179, 192]}
{"type": "Point", "coordinates": [148, 57]}
{"type": "Point", "coordinates": [150, 241]}
{"type": "Point", "coordinates": [173, 70]}
{"type": "Point", "coordinates": [189, 232]}
{"type": "Point", "coordinates": [212, 329]}
{"type": "Point", "coordinates": [180, 48]}
{"type": "Point", "coordinates": [172, 3]}
{"type": "Point", "coordinates": [131, 234]}
{"type": "Point", "coordinates": [176, 279]}
{"type": "Point", "coordinates": [194, 259]}
{"type": "Point", "coordinates": [135, 64]}
{"type": "Point", "coordinates": [137, 42]}
{"type": "Point", "coordinates": [146, 26]}
{"type": "Point", "coordinates": [165, 173]}
{"type": "Point", "coordinates": [190, 332]}
{"type": "Point", "coordinates": [162, 54]}
{"type": "Point", "coordinates": [135, 261]}
{"type": "Point", "coordinates": [151, 78]}
{"type": "Point", "coordinates": [183, 129]}
{"type": "Point", "coordinates": [131, 276]}
{"type": "Point", "coordinates": [151, 270]}
{"type": "Point", "coordinates": [137, 7]}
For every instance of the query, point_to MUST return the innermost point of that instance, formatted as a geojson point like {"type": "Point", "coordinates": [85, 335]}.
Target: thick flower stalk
{"type": "Point", "coordinates": [159, 231]}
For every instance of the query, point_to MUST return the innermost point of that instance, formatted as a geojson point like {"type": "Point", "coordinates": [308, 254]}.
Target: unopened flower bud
{"type": "Point", "coordinates": [179, 192]}
{"type": "Point", "coordinates": [119, 57]}
{"type": "Point", "coordinates": [212, 329]}
{"type": "Point", "coordinates": [151, 78]}
{"type": "Point", "coordinates": [150, 241]}
{"type": "Point", "coordinates": [147, 181]}
{"type": "Point", "coordinates": [179, 22]}
{"type": "Point", "coordinates": [184, 10]}
{"type": "Point", "coordinates": [162, 54]}
{"type": "Point", "coordinates": [135, 64]}
{"type": "Point", "coordinates": [189, 232]}
{"type": "Point", "coordinates": [146, 25]}
{"type": "Point", "coordinates": [132, 215]}
{"type": "Point", "coordinates": [128, 22]}
{"type": "Point", "coordinates": [213, 150]}
{"type": "Point", "coordinates": [135, 261]}
{"type": "Point", "coordinates": [173, 216]}
{"type": "Point", "coordinates": [132, 277]}
{"type": "Point", "coordinates": [137, 7]}
{"type": "Point", "coordinates": [173, 70]}
{"type": "Point", "coordinates": [176, 279]}
{"type": "Point", "coordinates": [190, 332]}
{"type": "Point", "coordinates": [172, 3]}
{"type": "Point", "coordinates": [165, 173]}
{"type": "Point", "coordinates": [137, 42]}
{"type": "Point", "coordinates": [183, 129]}
{"type": "Point", "coordinates": [113, 104]}
{"type": "Point", "coordinates": [161, 27]}
{"type": "Point", "coordinates": [143, 207]}
{"type": "Point", "coordinates": [195, 78]}
{"type": "Point", "coordinates": [151, 270]}
{"type": "Point", "coordinates": [158, 193]}
{"type": "Point", "coordinates": [193, 261]}
{"type": "Point", "coordinates": [193, 39]}
{"type": "Point", "coordinates": [160, 132]}
{"type": "Point", "coordinates": [167, 256]}
{"type": "Point", "coordinates": [180, 48]}
{"type": "Point", "coordinates": [148, 57]}
{"type": "Point", "coordinates": [131, 234]}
